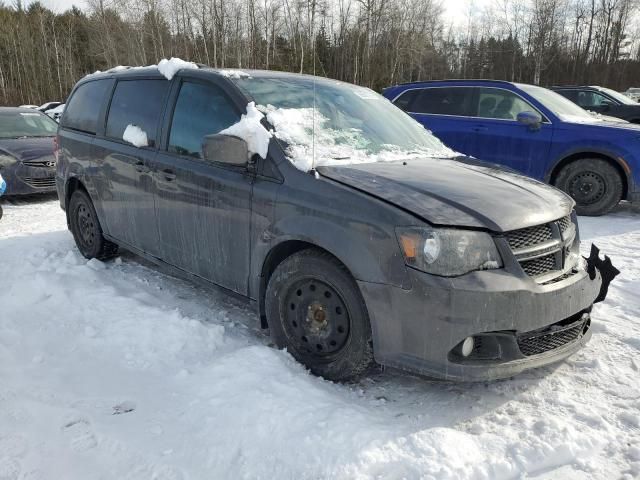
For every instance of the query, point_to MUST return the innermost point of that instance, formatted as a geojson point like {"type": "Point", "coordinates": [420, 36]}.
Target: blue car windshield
{"type": "Point", "coordinates": [26, 124]}
{"type": "Point", "coordinates": [559, 105]}
{"type": "Point", "coordinates": [324, 122]}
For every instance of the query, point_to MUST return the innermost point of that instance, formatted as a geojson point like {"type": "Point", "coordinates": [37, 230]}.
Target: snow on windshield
{"type": "Point", "coordinates": [251, 130]}
{"type": "Point", "coordinates": [308, 136]}
{"type": "Point", "coordinates": [320, 121]}
{"type": "Point", "coordinates": [135, 136]}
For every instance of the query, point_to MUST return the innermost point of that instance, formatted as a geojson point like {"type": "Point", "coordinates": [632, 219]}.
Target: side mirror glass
{"type": "Point", "coordinates": [531, 119]}
{"type": "Point", "coordinates": [227, 149]}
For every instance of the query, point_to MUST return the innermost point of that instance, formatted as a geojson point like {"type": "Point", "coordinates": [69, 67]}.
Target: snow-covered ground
{"type": "Point", "coordinates": [117, 371]}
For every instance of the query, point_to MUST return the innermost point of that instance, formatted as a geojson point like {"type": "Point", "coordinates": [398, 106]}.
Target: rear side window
{"type": "Point", "coordinates": [201, 110]}
{"type": "Point", "coordinates": [444, 101]}
{"type": "Point", "coordinates": [83, 108]}
{"type": "Point", "coordinates": [139, 103]}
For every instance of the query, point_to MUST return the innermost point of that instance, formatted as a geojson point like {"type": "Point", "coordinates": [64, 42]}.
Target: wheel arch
{"type": "Point", "coordinates": [618, 163]}
{"type": "Point", "coordinates": [275, 257]}
{"type": "Point", "coordinates": [73, 183]}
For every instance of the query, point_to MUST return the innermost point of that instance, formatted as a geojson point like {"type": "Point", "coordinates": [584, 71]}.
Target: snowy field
{"type": "Point", "coordinates": [117, 371]}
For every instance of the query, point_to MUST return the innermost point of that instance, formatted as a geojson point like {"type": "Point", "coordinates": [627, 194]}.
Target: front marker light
{"type": "Point", "coordinates": [448, 252]}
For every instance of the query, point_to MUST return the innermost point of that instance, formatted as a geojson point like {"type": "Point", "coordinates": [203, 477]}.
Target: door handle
{"type": "Point", "coordinates": [169, 175]}
{"type": "Point", "coordinates": [480, 128]}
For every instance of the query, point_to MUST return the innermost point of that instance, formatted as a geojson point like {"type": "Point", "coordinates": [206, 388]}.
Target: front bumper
{"type": "Point", "coordinates": [420, 330]}
{"type": "Point", "coordinates": [25, 179]}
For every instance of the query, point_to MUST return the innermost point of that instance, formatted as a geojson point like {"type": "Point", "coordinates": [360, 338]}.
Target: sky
{"type": "Point", "coordinates": [456, 11]}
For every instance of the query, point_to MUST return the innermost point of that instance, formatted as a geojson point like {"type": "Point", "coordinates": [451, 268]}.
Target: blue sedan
{"type": "Point", "coordinates": [533, 130]}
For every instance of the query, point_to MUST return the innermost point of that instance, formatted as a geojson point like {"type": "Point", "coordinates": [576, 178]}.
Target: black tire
{"type": "Point", "coordinates": [593, 183]}
{"type": "Point", "coordinates": [86, 229]}
{"type": "Point", "coordinates": [314, 309]}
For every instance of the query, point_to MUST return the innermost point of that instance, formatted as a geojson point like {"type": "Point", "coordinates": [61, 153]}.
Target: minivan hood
{"type": "Point", "coordinates": [30, 148]}
{"type": "Point", "coordinates": [457, 192]}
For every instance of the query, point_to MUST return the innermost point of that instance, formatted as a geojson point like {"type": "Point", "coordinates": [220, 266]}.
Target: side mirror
{"type": "Point", "coordinates": [227, 149]}
{"type": "Point", "coordinates": [530, 119]}
{"type": "Point", "coordinates": [606, 106]}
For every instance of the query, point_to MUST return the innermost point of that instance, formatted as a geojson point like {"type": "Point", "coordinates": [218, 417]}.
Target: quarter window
{"type": "Point", "coordinates": [83, 109]}
{"type": "Point", "coordinates": [444, 101]}
{"type": "Point", "coordinates": [201, 110]}
{"type": "Point", "coordinates": [405, 100]}
{"type": "Point", "coordinates": [501, 104]}
{"type": "Point", "coordinates": [139, 103]}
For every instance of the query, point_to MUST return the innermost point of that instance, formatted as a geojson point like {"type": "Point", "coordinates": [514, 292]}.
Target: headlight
{"type": "Point", "coordinates": [448, 252]}
{"type": "Point", "coordinates": [6, 161]}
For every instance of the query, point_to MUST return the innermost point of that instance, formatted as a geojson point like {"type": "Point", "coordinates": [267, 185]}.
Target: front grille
{"type": "Point", "coordinates": [41, 182]}
{"type": "Point", "coordinates": [540, 265]}
{"type": "Point", "coordinates": [40, 164]}
{"type": "Point", "coordinates": [541, 250]}
{"type": "Point", "coordinates": [550, 338]}
{"type": "Point", "coordinates": [564, 223]}
{"type": "Point", "coordinates": [528, 237]}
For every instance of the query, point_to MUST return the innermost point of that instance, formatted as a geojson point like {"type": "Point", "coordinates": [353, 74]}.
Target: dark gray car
{"type": "Point", "coordinates": [357, 234]}
{"type": "Point", "coordinates": [27, 160]}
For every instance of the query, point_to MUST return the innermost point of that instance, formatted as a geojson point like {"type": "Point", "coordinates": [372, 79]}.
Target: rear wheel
{"type": "Point", "coordinates": [593, 183]}
{"type": "Point", "coordinates": [86, 229]}
{"type": "Point", "coordinates": [315, 310]}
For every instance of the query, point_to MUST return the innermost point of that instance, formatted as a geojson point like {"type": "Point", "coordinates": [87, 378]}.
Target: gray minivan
{"type": "Point", "coordinates": [359, 236]}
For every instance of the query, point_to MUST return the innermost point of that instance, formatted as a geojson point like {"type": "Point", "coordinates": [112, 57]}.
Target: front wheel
{"type": "Point", "coordinates": [86, 229]}
{"type": "Point", "coordinates": [593, 183]}
{"type": "Point", "coordinates": [314, 309]}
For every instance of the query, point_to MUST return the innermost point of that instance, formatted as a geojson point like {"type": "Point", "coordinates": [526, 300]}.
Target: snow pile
{"type": "Point", "coordinates": [251, 130]}
{"type": "Point", "coordinates": [135, 136]}
{"type": "Point", "coordinates": [114, 370]}
{"type": "Point", "coordinates": [237, 74]}
{"type": "Point", "coordinates": [308, 136]}
{"type": "Point", "coordinates": [169, 68]}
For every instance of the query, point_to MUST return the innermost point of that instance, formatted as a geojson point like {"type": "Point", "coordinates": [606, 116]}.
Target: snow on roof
{"type": "Point", "coordinates": [234, 73]}
{"type": "Point", "coordinates": [169, 68]}
{"type": "Point", "coordinates": [135, 136]}
{"type": "Point", "coordinates": [252, 131]}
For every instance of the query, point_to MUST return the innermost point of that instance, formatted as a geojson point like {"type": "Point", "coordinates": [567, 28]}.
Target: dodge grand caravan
{"type": "Point", "coordinates": [358, 235]}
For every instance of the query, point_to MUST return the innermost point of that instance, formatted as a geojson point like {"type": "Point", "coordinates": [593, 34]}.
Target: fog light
{"type": "Point", "coordinates": [467, 346]}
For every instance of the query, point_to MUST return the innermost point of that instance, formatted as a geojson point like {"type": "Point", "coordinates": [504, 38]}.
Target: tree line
{"type": "Point", "coordinates": [375, 43]}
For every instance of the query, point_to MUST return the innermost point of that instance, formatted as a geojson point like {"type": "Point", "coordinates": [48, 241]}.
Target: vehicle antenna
{"type": "Point", "coordinates": [313, 112]}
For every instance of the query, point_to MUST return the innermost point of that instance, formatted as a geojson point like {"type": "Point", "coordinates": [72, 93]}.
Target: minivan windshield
{"type": "Point", "coordinates": [559, 105]}
{"type": "Point", "coordinates": [26, 124]}
{"type": "Point", "coordinates": [326, 122]}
